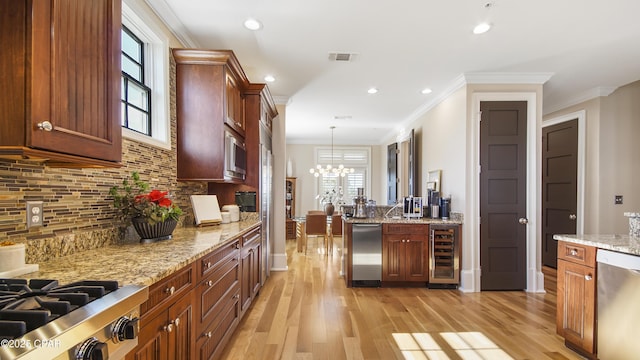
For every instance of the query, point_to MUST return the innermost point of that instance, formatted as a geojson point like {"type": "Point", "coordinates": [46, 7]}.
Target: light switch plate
{"type": "Point", "coordinates": [35, 213]}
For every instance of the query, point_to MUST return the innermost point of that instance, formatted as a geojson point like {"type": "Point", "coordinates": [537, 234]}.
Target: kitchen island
{"type": "Point", "coordinates": [594, 311]}
{"type": "Point", "coordinates": [388, 251]}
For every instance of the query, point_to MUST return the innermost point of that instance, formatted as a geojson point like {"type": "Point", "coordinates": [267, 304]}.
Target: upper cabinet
{"type": "Point", "coordinates": [61, 76]}
{"type": "Point", "coordinates": [259, 113]}
{"type": "Point", "coordinates": [210, 87]}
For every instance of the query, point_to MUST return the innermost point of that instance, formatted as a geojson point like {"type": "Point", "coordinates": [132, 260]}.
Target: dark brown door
{"type": "Point", "coordinates": [503, 172]}
{"type": "Point", "coordinates": [392, 174]}
{"type": "Point", "coordinates": [559, 185]}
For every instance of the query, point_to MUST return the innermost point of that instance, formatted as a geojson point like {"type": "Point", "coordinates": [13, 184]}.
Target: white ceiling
{"type": "Point", "coordinates": [589, 46]}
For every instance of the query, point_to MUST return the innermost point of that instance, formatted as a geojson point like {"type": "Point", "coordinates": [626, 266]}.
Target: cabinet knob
{"type": "Point", "coordinates": [238, 124]}
{"type": "Point", "coordinates": [168, 328]}
{"type": "Point", "coordinates": [170, 290]}
{"type": "Point", "coordinates": [238, 246]}
{"type": "Point", "coordinates": [176, 322]}
{"type": "Point", "coordinates": [210, 283]}
{"type": "Point", "coordinates": [208, 334]}
{"type": "Point", "coordinates": [45, 126]}
{"type": "Point", "coordinates": [236, 296]}
{"type": "Point", "coordinates": [588, 277]}
{"type": "Point", "coordinates": [573, 252]}
{"type": "Point", "coordinates": [208, 264]}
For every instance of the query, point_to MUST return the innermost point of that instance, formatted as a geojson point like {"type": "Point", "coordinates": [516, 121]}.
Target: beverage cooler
{"type": "Point", "coordinates": [444, 256]}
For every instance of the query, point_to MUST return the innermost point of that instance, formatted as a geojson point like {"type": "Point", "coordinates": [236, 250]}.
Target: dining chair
{"type": "Point", "coordinates": [316, 225]}
{"type": "Point", "coordinates": [336, 228]}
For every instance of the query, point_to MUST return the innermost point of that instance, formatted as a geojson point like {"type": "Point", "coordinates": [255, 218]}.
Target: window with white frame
{"type": "Point", "coordinates": [145, 79]}
{"type": "Point", "coordinates": [359, 159]}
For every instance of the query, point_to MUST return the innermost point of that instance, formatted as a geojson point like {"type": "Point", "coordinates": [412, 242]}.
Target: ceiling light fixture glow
{"type": "Point", "coordinates": [252, 24]}
{"type": "Point", "coordinates": [426, 91]}
{"type": "Point", "coordinates": [481, 28]}
{"type": "Point", "coordinates": [372, 90]}
{"type": "Point", "coordinates": [269, 78]}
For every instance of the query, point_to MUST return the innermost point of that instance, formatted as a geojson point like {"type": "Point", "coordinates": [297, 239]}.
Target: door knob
{"type": "Point", "coordinates": [523, 221]}
{"type": "Point", "coordinates": [572, 217]}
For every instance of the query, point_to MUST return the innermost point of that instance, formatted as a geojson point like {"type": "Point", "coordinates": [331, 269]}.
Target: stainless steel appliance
{"type": "Point", "coordinates": [235, 157]}
{"type": "Point", "coordinates": [618, 315]}
{"type": "Point", "coordinates": [266, 200]}
{"type": "Point", "coordinates": [41, 319]}
{"type": "Point", "coordinates": [366, 268]}
{"type": "Point", "coordinates": [412, 207]}
{"type": "Point", "coordinates": [360, 205]}
{"type": "Point", "coordinates": [444, 256]}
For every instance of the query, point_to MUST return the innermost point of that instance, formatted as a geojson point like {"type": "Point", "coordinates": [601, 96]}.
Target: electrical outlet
{"type": "Point", "coordinates": [35, 213]}
{"type": "Point", "coordinates": [618, 200]}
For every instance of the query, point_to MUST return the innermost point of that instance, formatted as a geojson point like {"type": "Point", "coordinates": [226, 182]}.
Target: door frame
{"type": "Point", "coordinates": [582, 136]}
{"type": "Point", "coordinates": [535, 277]}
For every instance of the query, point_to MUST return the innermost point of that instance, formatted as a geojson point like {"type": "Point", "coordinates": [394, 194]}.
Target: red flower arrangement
{"type": "Point", "coordinates": [135, 201]}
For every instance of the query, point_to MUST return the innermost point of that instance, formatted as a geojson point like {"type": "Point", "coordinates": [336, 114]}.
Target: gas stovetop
{"type": "Point", "coordinates": [42, 319]}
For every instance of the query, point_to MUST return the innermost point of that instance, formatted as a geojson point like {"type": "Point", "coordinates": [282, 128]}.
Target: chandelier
{"type": "Point", "coordinates": [340, 170]}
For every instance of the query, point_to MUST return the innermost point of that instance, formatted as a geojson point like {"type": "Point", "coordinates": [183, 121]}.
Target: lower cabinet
{"type": "Point", "coordinates": [405, 253]}
{"type": "Point", "coordinates": [167, 319]}
{"type": "Point", "coordinates": [193, 313]}
{"type": "Point", "coordinates": [576, 303]}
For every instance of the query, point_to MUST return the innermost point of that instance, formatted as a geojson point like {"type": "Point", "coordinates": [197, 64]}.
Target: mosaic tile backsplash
{"type": "Point", "coordinates": [78, 213]}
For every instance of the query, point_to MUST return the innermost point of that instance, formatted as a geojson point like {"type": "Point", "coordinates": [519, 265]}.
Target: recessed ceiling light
{"type": "Point", "coordinates": [252, 24]}
{"type": "Point", "coordinates": [426, 91]}
{"type": "Point", "coordinates": [372, 90]}
{"type": "Point", "coordinates": [481, 28]}
{"type": "Point", "coordinates": [269, 78]}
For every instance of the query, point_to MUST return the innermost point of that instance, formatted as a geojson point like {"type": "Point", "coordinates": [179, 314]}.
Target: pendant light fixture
{"type": "Point", "coordinates": [329, 168]}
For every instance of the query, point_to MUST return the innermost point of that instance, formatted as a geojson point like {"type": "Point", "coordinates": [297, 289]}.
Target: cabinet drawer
{"type": "Point", "coordinates": [208, 263]}
{"type": "Point", "coordinates": [213, 339]}
{"type": "Point", "coordinates": [253, 236]}
{"type": "Point", "coordinates": [577, 253]}
{"type": "Point", "coordinates": [405, 229]}
{"type": "Point", "coordinates": [169, 289]}
{"type": "Point", "coordinates": [216, 290]}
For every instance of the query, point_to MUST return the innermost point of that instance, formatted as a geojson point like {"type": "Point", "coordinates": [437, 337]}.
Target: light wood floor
{"type": "Point", "coordinates": [308, 313]}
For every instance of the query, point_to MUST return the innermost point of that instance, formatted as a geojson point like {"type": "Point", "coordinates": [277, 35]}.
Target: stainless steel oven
{"type": "Point", "coordinates": [235, 157]}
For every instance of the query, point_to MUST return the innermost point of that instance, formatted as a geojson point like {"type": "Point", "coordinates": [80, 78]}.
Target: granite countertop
{"type": "Point", "coordinates": [382, 220]}
{"type": "Point", "coordinates": [620, 243]}
{"type": "Point", "coordinates": [137, 263]}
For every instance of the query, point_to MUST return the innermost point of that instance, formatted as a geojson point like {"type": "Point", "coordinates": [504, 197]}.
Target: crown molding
{"type": "Point", "coordinates": [507, 77]}
{"type": "Point", "coordinates": [171, 21]}
{"type": "Point", "coordinates": [579, 98]}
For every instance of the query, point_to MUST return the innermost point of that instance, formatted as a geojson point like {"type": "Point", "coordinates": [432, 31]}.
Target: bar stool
{"type": "Point", "coordinates": [316, 225]}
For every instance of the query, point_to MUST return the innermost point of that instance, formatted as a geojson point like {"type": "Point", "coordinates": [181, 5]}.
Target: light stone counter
{"type": "Point", "coordinates": [620, 243]}
{"type": "Point", "coordinates": [142, 264]}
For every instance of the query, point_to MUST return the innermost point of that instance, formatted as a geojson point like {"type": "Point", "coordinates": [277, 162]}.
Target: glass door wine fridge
{"type": "Point", "coordinates": [444, 256]}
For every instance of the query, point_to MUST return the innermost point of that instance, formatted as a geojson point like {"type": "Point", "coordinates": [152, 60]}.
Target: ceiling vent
{"type": "Point", "coordinates": [341, 56]}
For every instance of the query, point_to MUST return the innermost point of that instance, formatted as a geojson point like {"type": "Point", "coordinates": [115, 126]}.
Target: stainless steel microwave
{"type": "Point", "coordinates": [235, 157]}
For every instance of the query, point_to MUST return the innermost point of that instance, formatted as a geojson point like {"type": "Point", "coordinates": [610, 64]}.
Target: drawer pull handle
{"type": "Point", "coordinates": [573, 252]}
{"type": "Point", "coordinates": [237, 246]}
{"type": "Point", "coordinates": [208, 264]}
{"type": "Point", "coordinates": [236, 297]}
{"type": "Point", "coordinates": [208, 334]}
{"type": "Point", "coordinates": [588, 277]}
{"type": "Point", "coordinates": [238, 124]}
{"type": "Point", "coordinates": [45, 126]}
{"type": "Point", "coordinates": [170, 290]}
{"type": "Point", "coordinates": [210, 282]}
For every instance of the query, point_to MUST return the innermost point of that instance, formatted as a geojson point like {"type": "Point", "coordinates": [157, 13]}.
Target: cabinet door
{"type": "Point", "coordinates": [75, 84]}
{"type": "Point", "coordinates": [152, 339]}
{"type": "Point", "coordinates": [245, 281]}
{"type": "Point", "coordinates": [393, 253]}
{"type": "Point", "coordinates": [182, 339]}
{"type": "Point", "coordinates": [575, 318]}
{"type": "Point", "coordinates": [416, 258]}
{"type": "Point", "coordinates": [255, 269]}
{"type": "Point", "coordinates": [235, 105]}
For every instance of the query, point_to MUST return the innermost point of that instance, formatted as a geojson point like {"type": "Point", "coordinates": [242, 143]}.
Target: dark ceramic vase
{"type": "Point", "coordinates": [156, 232]}
{"type": "Point", "coordinates": [329, 209]}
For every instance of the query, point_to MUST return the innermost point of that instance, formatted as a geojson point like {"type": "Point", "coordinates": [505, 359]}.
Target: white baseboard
{"type": "Point", "coordinates": [279, 262]}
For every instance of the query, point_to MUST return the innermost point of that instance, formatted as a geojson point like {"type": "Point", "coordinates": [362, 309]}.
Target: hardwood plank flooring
{"type": "Point", "coordinates": [308, 313]}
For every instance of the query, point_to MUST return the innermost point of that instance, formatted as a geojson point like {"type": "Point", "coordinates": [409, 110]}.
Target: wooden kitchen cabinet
{"type": "Point", "coordinates": [61, 77]}
{"type": "Point", "coordinates": [250, 263]}
{"type": "Point", "coordinates": [167, 323]}
{"type": "Point", "coordinates": [209, 99]}
{"type": "Point", "coordinates": [259, 113]}
{"type": "Point", "coordinates": [576, 303]}
{"type": "Point", "coordinates": [405, 253]}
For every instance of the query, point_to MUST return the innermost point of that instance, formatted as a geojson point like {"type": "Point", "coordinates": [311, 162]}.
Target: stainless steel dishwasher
{"type": "Point", "coordinates": [618, 318]}
{"type": "Point", "coordinates": [366, 254]}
